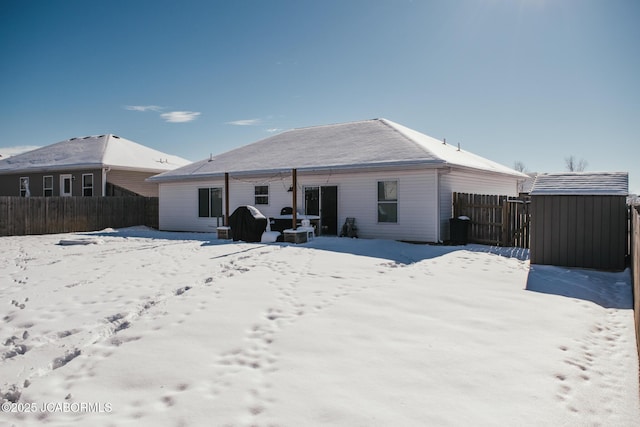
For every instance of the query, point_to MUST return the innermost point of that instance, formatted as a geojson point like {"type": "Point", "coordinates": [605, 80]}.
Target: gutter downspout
{"type": "Point", "coordinates": [104, 180]}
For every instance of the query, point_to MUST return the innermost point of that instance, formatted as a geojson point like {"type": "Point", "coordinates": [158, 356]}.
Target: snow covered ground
{"type": "Point", "coordinates": [145, 328]}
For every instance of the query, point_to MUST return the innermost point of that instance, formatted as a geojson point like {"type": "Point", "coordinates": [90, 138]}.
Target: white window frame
{"type": "Point", "coordinates": [265, 197]}
{"type": "Point", "coordinates": [44, 186]}
{"type": "Point", "coordinates": [87, 187]}
{"type": "Point", "coordinates": [209, 207]}
{"type": "Point", "coordinates": [24, 189]}
{"type": "Point", "coordinates": [385, 201]}
{"type": "Point", "coordinates": [64, 177]}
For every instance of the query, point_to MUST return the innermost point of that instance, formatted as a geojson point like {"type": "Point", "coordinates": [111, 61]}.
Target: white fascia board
{"type": "Point", "coordinates": [322, 169]}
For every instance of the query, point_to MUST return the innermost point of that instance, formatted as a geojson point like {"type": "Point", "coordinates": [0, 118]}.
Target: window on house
{"type": "Point", "coordinates": [261, 194]}
{"type": "Point", "coordinates": [47, 186]}
{"type": "Point", "coordinates": [87, 184]}
{"type": "Point", "coordinates": [24, 187]}
{"type": "Point", "coordinates": [387, 201]}
{"type": "Point", "coordinates": [209, 202]}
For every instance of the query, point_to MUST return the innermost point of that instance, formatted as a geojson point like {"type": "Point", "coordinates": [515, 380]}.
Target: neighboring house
{"type": "Point", "coordinates": [397, 183]}
{"type": "Point", "coordinates": [579, 219]}
{"type": "Point", "coordinates": [104, 165]}
{"type": "Point", "coordinates": [525, 186]}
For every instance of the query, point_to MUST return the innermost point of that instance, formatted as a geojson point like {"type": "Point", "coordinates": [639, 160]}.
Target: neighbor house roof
{"type": "Point", "coordinates": [368, 143]}
{"type": "Point", "coordinates": [582, 183]}
{"type": "Point", "coordinates": [92, 152]}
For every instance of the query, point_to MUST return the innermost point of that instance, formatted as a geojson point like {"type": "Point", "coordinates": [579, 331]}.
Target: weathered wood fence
{"type": "Point", "coordinates": [635, 268]}
{"type": "Point", "coordinates": [495, 220]}
{"type": "Point", "coordinates": [47, 215]}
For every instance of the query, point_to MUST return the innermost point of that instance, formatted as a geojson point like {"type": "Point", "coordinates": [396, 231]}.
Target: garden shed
{"type": "Point", "coordinates": [579, 219]}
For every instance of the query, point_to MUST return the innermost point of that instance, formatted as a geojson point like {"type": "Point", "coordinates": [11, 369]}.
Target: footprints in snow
{"type": "Point", "coordinates": [16, 345]}
{"type": "Point", "coordinates": [299, 292]}
{"type": "Point", "coordinates": [59, 362]}
{"type": "Point", "coordinates": [20, 305]}
{"type": "Point", "coordinates": [21, 262]}
{"type": "Point", "coordinates": [582, 365]}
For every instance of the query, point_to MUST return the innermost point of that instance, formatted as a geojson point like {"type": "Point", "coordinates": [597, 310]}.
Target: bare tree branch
{"type": "Point", "coordinates": [574, 165]}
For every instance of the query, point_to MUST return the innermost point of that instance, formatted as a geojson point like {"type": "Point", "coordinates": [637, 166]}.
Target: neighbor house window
{"type": "Point", "coordinates": [387, 201]}
{"type": "Point", "coordinates": [209, 202]}
{"type": "Point", "coordinates": [24, 187]}
{"type": "Point", "coordinates": [47, 186]}
{"type": "Point", "coordinates": [87, 184]}
{"type": "Point", "coordinates": [261, 194]}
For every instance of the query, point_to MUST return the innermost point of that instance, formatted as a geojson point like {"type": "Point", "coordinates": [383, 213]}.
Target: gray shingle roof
{"type": "Point", "coordinates": [582, 183]}
{"type": "Point", "coordinates": [92, 152]}
{"type": "Point", "coordinates": [376, 142]}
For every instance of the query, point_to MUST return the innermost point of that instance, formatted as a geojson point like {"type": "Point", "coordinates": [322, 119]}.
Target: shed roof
{"type": "Point", "coordinates": [92, 152]}
{"type": "Point", "coordinates": [582, 183]}
{"type": "Point", "coordinates": [367, 143]}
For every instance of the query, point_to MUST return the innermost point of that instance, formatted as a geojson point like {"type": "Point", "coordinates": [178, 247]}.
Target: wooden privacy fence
{"type": "Point", "coordinates": [635, 268]}
{"type": "Point", "coordinates": [47, 215]}
{"type": "Point", "coordinates": [495, 220]}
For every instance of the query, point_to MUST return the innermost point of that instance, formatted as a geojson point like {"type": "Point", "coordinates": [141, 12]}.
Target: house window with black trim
{"type": "Point", "coordinates": [209, 202]}
{"type": "Point", "coordinates": [47, 186]}
{"type": "Point", "coordinates": [261, 193]}
{"type": "Point", "coordinates": [387, 201]}
{"type": "Point", "coordinates": [87, 184]}
{"type": "Point", "coordinates": [24, 187]}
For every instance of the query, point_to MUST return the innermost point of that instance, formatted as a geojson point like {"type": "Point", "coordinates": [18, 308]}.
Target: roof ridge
{"type": "Point", "coordinates": [107, 138]}
{"type": "Point", "coordinates": [390, 124]}
{"type": "Point", "coordinates": [335, 124]}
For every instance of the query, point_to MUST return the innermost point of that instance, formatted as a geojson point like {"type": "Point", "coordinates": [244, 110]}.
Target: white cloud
{"type": "Point", "coordinates": [19, 149]}
{"type": "Point", "coordinates": [272, 130]}
{"type": "Point", "coordinates": [180, 116]}
{"type": "Point", "coordinates": [245, 122]}
{"type": "Point", "coordinates": [143, 108]}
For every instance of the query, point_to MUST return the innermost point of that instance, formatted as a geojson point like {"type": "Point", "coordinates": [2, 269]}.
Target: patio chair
{"type": "Point", "coordinates": [349, 229]}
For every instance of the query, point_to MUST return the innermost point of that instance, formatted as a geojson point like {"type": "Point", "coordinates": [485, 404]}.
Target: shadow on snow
{"type": "Point", "coordinates": [607, 289]}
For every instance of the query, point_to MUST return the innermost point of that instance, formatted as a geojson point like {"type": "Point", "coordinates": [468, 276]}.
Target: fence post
{"type": "Point", "coordinates": [635, 269]}
{"type": "Point", "coordinates": [506, 218]}
{"type": "Point", "coordinates": [455, 204]}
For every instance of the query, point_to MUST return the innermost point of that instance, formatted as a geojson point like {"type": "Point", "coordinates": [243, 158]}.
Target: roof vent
{"type": "Point", "coordinates": [211, 157]}
{"type": "Point", "coordinates": [444, 141]}
{"type": "Point", "coordinates": [86, 137]}
{"type": "Point", "coordinates": [73, 139]}
{"type": "Point", "coordinates": [115, 136]}
{"type": "Point", "coordinates": [458, 146]}
{"type": "Point", "coordinates": [101, 136]}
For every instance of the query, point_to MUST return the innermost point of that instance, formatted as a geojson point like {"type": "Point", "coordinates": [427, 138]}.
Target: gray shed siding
{"type": "Point", "coordinates": [579, 231]}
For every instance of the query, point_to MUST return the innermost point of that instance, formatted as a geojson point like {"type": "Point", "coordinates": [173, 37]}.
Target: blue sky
{"type": "Point", "coordinates": [511, 80]}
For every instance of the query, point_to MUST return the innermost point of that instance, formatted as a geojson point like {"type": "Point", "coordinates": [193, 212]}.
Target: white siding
{"type": "Point", "coordinates": [461, 181]}
{"type": "Point", "coordinates": [357, 197]}
{"type": "Point", "coordinates": [178, 207]}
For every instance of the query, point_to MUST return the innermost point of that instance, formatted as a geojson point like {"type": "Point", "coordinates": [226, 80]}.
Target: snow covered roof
{"type": "Point", "coordinates": [582, 183]}
{"type": "Point", "coordinates": [376, 142]}
{"type": "Point", "coordinates": [92, 152]}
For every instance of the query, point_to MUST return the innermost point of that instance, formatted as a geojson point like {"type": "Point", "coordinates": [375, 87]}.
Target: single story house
{"type": "Point", "coordinates": [396, 182]}
{"type": "Point", "coordinates": [579, 219]}
{"type": "Point", "coordinates": [104, 165]}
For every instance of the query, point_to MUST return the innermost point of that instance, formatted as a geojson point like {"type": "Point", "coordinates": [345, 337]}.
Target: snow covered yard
{"type": "Point", "coordinates": [146, 328]}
